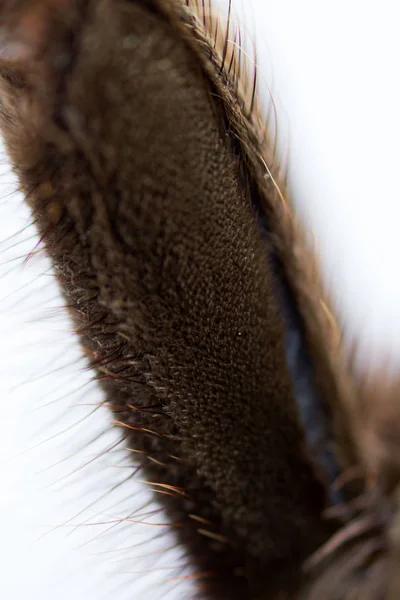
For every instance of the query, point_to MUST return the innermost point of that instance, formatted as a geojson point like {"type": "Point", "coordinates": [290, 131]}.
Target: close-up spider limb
{"type": "Point", "coordinates": [155, 181]}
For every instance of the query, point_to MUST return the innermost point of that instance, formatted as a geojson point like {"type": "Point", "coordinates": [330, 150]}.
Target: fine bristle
{"type": "Point", "coordinates": [159, 193]}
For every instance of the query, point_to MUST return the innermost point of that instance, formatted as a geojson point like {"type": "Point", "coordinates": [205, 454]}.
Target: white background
{"type": "Point", "coordinates": [333, 69]}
